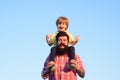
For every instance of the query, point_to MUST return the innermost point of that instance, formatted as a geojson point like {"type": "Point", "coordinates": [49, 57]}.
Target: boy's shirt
{"type": "Point", "coordinates": [53, 38]}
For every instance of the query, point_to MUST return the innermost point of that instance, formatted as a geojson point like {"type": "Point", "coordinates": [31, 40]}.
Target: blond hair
{"type": "Point", "coordinates": [62, 19]}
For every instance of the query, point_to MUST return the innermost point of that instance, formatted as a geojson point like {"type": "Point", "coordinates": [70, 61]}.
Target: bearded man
{"type": "Point", "coordinates": [61, 70]}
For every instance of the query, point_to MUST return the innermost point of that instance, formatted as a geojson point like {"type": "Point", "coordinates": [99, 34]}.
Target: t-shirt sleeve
{"type": "Point", "coordinates": [71, 39]}
{"type": "Point", "coordinates": [52, 38]}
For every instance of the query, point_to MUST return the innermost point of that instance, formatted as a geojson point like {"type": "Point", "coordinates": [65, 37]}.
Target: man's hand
{"type": "Point", "coordinates": [50, 67]}
{"type": "Point", "coordinates": [81, 72]}
{"type": "Point", "coordinates": [72, 64]}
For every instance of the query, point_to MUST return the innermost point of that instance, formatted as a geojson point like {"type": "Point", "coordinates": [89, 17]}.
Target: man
{"type": "Point", "coordinates": [61, 70]}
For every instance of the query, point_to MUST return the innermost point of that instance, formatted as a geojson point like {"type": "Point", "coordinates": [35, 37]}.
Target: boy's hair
{"type": "Point", "coordinates": [62, 19]}
{"type": "Point", "coordinates": [62, 33]}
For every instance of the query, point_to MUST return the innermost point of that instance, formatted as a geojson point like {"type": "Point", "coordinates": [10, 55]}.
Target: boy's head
{"type": "Point", "coordinates": [62, 23]}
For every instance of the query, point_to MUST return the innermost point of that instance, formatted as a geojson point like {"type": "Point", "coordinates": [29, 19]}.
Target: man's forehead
{"type": "Point", "coordinates": [63, 37]}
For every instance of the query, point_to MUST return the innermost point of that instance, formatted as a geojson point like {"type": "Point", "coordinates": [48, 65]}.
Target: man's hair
{"type": "Point", "coordinates": [62, 33]}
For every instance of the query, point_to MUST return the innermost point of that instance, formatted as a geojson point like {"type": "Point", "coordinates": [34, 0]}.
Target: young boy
{"type": "Point", "coordinates": [62, 25]}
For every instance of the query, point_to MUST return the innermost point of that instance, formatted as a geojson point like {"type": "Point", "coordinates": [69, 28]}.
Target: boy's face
{"type": "Point", "coordinates": [61, 26]}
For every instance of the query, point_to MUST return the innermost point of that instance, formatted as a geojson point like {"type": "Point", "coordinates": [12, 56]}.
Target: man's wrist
{"type": "Point", "coordinates": [45, 75]}
{"type": "Point", "coordinates": [81, 73]}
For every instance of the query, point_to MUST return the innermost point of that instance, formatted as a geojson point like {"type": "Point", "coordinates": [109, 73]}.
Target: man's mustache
{"type": "Point", "coordinates": [62, 45]}
{"type": "Point", "coordinates": [61, 51]}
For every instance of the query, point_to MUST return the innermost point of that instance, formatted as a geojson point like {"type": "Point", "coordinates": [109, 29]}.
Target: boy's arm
{"type": "Point", "coordinates": [76, 40]}
{"type": "Point", "coordinates": [51, 38]}
{"type": "Point", "coordinates": [72, 41]}
{"type": "Point", "coordinates": [47, 39]}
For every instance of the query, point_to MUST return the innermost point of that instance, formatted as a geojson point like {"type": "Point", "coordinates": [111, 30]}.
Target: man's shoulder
{"type": "Point", "coordinates": [77, 56]}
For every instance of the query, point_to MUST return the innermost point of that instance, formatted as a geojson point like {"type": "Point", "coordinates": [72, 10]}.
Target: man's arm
{"type": "Point", "coordinates": [79, 67]}
{"type": "Point", "coordinates": [44, 72]}
{"type": "Point", "coordinates": [81, 73]}
{"type": "Point", "coordinates": [44, 75]}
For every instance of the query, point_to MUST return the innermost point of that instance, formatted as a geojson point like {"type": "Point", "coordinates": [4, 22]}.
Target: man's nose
{"type": "Point", "coordinates": [62, 41]}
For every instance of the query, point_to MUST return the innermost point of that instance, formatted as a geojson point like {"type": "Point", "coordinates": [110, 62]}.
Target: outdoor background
{"type": "Point", "coordinates": [25, 23]}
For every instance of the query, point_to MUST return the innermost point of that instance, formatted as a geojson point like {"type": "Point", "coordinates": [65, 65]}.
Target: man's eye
{"type": "Point", "coordinates": [64, 40]}
{"type": "Point", "coordinates": [59, 40]}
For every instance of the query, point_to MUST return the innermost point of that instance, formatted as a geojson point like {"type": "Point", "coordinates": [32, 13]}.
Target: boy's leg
{"type": "Point", "coordinates": [71, 52]}
{"type": "Point", "coordinates": [71, 57]}
{"type": "Point", "coordinates": [51, 66]}
{"type": "Point", "coordinates": [52, 53]}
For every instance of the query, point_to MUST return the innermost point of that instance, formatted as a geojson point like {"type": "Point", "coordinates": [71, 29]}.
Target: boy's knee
{"type": "Point", "coordinates": [53, 48]}
{"type": "Point", "coordinates": [71, 48]}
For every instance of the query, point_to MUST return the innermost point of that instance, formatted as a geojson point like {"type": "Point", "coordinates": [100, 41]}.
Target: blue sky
{"type": "Point", "coordinates": [25, 23]}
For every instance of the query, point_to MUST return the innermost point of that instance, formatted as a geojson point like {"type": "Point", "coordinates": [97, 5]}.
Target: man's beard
{"type": "Point", "coordinates": [61, 51]}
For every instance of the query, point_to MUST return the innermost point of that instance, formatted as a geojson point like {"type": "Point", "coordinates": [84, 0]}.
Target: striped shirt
{"type": "Point", "coordinates": [62, 72]}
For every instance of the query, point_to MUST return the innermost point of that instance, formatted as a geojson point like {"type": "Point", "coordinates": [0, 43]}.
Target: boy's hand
{"type": "Point", "coordinates": [77, 38]}
{"type": "Point", "coordinates": [47, 36]}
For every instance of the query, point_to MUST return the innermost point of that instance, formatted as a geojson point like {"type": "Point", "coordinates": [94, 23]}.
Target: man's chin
{"type": "Point", "coordinates": [62, 50]}
{"type": "Point", "coordinates": [62, 47]}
